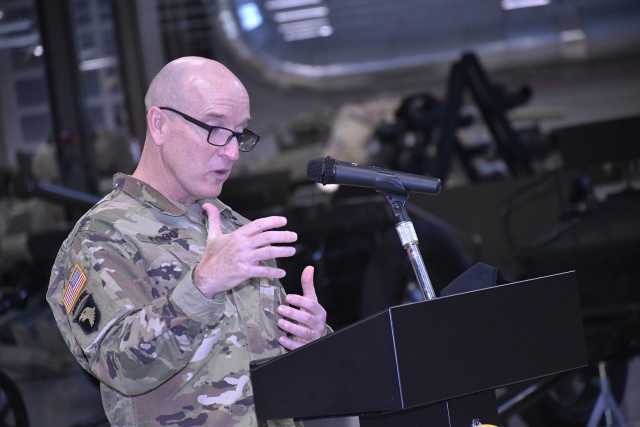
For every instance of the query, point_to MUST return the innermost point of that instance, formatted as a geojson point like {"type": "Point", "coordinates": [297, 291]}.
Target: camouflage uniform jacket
{"type": "Point", "coordinates": [122, 295]}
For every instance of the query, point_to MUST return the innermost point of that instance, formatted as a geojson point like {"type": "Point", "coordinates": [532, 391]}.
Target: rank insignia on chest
{"type": "Point", "coordinates": [87, 315]}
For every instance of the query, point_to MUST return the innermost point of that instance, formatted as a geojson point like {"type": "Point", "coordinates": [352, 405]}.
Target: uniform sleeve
{"type": "Point", "coordinates": [120, 324]}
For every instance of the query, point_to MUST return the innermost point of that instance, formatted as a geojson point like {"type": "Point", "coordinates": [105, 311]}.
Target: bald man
{"type": "Point", "coordinates": [164, 293]}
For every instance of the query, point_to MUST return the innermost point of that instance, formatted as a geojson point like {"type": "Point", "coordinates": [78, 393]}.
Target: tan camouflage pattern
{"type": "Point", "coordinates": [165, 354]}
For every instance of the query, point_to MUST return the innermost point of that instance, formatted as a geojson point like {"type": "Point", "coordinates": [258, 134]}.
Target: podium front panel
{"type": "Point", "coordinates": [350, 371]}
{"type": "Point", "coordinates": [488, 338]}
{"type": "Point", "coordinates": [426, 352]}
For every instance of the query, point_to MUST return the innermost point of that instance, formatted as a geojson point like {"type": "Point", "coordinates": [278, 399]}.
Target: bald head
{"type": "Point", "coordinates": [178, 159]}
{"type": "Point", "coordinates": [178, 81]}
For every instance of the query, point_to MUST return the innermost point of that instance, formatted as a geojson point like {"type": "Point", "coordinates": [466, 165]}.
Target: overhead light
{"type": "Point", "coordinates": [569, 36]}
{"type": "Point", "coordinates": [38, 51]}
{"type": "Point", "coordinates": [97, 64]}
{"type": "Point", "coordinates": [16, 26]}
{"type": "Point", "coordinates": [520, 4]}
{"type": "Point", "coordinates": [306, 29]}
{"type": "Point", "coordinates": [289, 4]}
{"type": "Point", "coordinates": [250, 17]}
{"type": "Point", "coordinates": [301, 14]}
{"type": "Point", "coordinates": [300, 19]}
{"type": "Point", "coordinates": [290, 27]}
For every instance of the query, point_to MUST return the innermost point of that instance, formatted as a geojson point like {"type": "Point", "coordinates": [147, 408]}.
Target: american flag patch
{"type": "Point", "coordinates": [74, 286]}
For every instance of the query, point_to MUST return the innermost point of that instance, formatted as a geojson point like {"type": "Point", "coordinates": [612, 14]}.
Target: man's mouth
{"type": "Point", "coordinates": [222, 173]}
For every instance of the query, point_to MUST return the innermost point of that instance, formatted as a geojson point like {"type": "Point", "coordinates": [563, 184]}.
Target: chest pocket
{"type": "Point", "coordinates": [270, 299]}
{"type": "Point", "coordinates": [168, 268]}
{"type": "Point", "coordinates": [257, 302]}
{"type": "Point", "coordinates": [173, 255]}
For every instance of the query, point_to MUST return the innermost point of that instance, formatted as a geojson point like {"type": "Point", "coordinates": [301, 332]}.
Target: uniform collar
{"type": "Point", "coordinates": [152, 197]}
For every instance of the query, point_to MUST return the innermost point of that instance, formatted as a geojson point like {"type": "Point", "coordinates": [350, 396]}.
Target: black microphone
{"type": "Point", "coordinates": [325, 170]}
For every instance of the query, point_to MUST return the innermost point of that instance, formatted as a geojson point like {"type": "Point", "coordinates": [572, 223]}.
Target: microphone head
{"type": "Point", "coordinates": [322, 170]}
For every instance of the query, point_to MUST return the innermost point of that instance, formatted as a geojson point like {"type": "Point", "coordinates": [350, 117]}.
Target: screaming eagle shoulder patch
{"type": "Point", "coordinates": [87, 315]}
{"type": "Point", "coordinates": [74, 286]}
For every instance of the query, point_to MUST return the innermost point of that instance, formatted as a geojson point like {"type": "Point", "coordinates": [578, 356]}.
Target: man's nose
{"type": "Point", "coordinates": [231, 150]}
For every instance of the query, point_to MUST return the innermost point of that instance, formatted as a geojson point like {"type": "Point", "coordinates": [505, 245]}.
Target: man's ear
{"type": "Point", "coordinates": [157, 125]}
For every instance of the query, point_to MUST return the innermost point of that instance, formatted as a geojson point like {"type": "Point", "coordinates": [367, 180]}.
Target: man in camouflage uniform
{"type": "Point", "coordinates": [164, 293]}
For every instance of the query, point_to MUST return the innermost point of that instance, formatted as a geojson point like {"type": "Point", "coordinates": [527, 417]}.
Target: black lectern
{"type": "Point", "coordinates": [429, 355]}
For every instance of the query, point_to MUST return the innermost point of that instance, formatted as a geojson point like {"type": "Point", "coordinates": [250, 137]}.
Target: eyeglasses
{"type": "Point", "coordinates": [246, 139]}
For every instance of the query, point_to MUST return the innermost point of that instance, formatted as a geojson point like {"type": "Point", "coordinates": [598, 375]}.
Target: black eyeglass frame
{"type": "Point", "coordinates": [246, 139]}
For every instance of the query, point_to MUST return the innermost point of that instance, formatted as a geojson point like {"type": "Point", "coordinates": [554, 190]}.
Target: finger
{"type": "Point", "coordinates": [271, 252]}
{"type": "Point", "coordinates": [307, 304]}
{"type": "Point", "coordinates": [302, 318]}
{"type": "Point", "coordinates": [290, 344]}
{"type": "Point", "coordinates": [262, 224]}
{"type": "Point", "coordinates": [306, 280]}
{"type": "Point", "coordinates": [213, 217]}
{"type": "Point", "coordinates": [308, 300]}
{"type": "Point", "coordinates": [301, 333]}
{"type": "Point", "coordinates": [265, 271]}
{"type": "Point", "coordinates": [270, 237]}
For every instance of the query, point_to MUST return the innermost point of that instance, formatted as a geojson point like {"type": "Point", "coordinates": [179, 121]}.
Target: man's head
{"type": "Point", "coordinates": [177, 158]}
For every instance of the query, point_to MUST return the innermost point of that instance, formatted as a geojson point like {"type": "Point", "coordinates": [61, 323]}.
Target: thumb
{"type": "Point", "coordinates": [213, 216]}
{"type": "Point", "coordinates": [306, 280]}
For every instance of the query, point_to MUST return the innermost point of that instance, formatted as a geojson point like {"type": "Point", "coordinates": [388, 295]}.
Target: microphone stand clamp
{"type": "Point", "coordinates": [409, 239]}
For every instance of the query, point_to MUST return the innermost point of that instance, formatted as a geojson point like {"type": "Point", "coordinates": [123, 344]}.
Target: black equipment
{"type": "Point", "coordinates": [493, 101]}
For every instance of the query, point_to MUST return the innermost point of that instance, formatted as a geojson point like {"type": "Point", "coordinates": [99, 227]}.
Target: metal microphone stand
{"type": "Point", "coordinates": [409, 240]}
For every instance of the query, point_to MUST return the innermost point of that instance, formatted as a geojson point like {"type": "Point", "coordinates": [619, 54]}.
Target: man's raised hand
{"type": "Point", "coordinates": [229, 259]}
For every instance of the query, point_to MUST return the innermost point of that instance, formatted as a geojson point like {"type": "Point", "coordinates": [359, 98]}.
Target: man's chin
{"type": "Point", "coordinates": [212, 191]}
